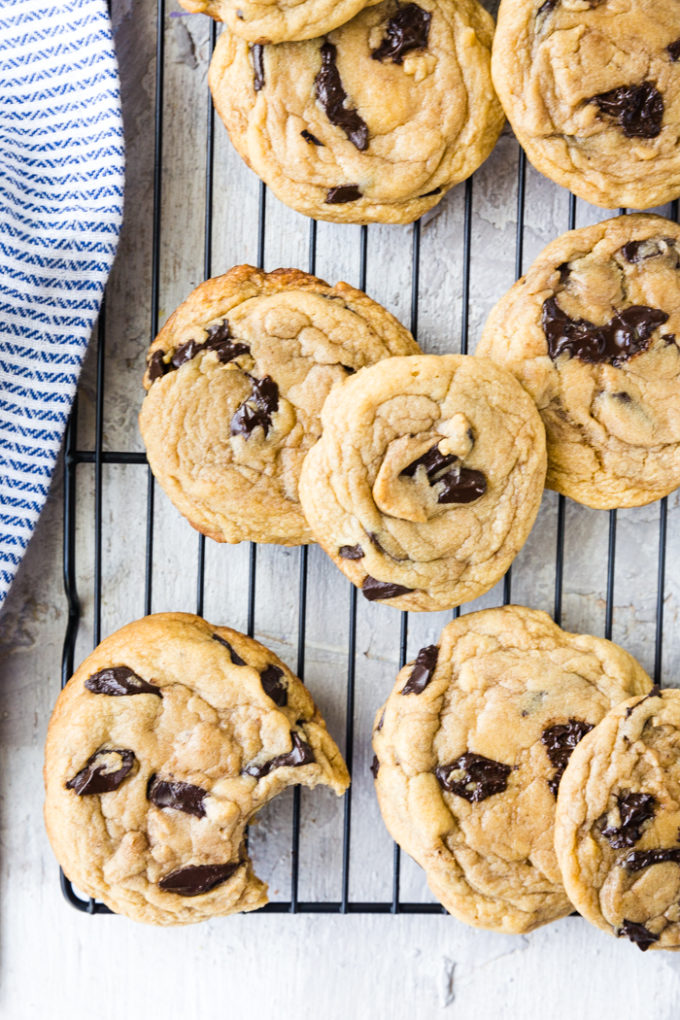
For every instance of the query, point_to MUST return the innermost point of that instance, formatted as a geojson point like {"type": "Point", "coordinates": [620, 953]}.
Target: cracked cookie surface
{"type": "Point", "coordinates": [617, 833]}
{"type": "Point", "coordinates": [591, 331]}
{"type": "Point", "coordinates": [164, 744]}
{"type": "Point", "coordinates": [373, 122]}
{"type": "Point", "coordinates": [592, 90]}
{"type": "Point", "coordinates": [236, 380]}
{"type": "Point", "coordinates": [277, 21]}
{"type": "Point", "coordinates": [470, 748]}
{"type": "Point", "coordinates": [427, 478]}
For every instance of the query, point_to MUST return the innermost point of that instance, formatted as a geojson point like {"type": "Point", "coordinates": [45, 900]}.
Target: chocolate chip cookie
{"type": "Point", "coordinates": [161, 748]}
{"type": "Point", "coordinates": [427, 478]}
{"type": "Point", "coordinates": [236, 380]}
{"type": "Point", "coordinates": [592, 90]}
{"type": "Point", "coordinates": [470, 749]}
{"type": "Point", "coordinates": [592, 333]}
{"type": "Point", "coordinates": [276, 21]}
{"type": "Point", "coordinates": [617, 833]}
{"type": "Point", "coordinates": [372, 122]}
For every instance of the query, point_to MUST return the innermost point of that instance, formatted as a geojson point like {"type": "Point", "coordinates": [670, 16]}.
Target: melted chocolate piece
{"type": "Point", "coordinates": [625, 335]}
{"type": "Point", "coordinates": [309, 137]}
{"type": "Point", "coordinates": [331, 95]}
{"type": "Point", "coordinates": [270, 678]}
{"type": "Point", "coordinates": [351, 552]}
{"type": "Point", "coordinates": [421, 674]}
{"type": "Point", "coordinates": [480, 777]}
{"type": "Point", "coordinates": [197, 879]}
{"type": "Point", "coordinates": [375, 766]}
{"type": "Point", "coordinates": [640, 859]}
{"type": "Point", "coordinates": [461, 485]}
{"type": "Point", "coordinates": [559, 741]}
{"type": "Point", "coordinates": [235, 657]}
{"type": "Point", "coordinates": [637, 933]}
{"type": "Point", "coordinates": [546, 7]}
{"type": "Point", "coordinates": [119, 681]}
{"type": "Point", "coordinates": [673, 50]}
{"type": "Point", "coordinates": [99, 774]}
{"type": "Point", "coordinates": [634, 810]}
{"type": "Point", "coordinates": [257, 52]}
{"type": "Point", "coordinates": [374, 590]}
{"type": "Point", "coordinates": [637, 109]}
{"type": "Point", "coordinates": [301, 754]}
{"type": "Point", "coordinates": [433, 461]}
{"type": "Point", "coordinates": [341, 194]}
{"type": "Point", "coordinates": [654, 693]}
{"type": "Point", "coordinates": [218, 340]}
{"type": "Point", "coordinates": [565, 272]}
{"type": "Point", "coordinates": [157, 367]}
{"type": "Point", "coordinates": [257, 409]}
{"type": "Point", "coordinates": [639, 251]}
{"type": "Point", "coordinates": [349, 370]}
{"type": "Point", "coordinates": [408, 30]}
{"type": "Point", "coordinates": [181, 796]}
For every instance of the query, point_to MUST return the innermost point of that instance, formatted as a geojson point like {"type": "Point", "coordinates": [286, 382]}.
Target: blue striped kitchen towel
{"type": "Point", "coordinates": [61, 203]}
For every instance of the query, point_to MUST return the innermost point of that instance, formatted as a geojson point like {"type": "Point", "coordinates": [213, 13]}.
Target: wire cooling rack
{"type": "Point", "coordinates": [76, 550]}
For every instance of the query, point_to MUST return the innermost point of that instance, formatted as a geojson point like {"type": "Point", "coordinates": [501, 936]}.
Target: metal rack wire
{"type": "Point", "coordinates": [98, 457]}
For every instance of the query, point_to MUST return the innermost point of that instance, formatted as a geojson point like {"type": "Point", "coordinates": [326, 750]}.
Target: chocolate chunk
{"type": "Point", "coordinates": [103, 771]}
{"type": "Point", "coordinates": [433, 461]}
{"type": "Point", "coordinates": [181, 796]}
{"type": "Point", "coordinates": [637, 933]}
{"type": "Point", "coordinates": [257, 409]}
{"type": "Point", "coordinates": [638, 109]}
{"type": "Point", "coordinates": [559, 741]}
{"type": "Point", "coordinates": [462, 485]}
{"type": "Point", "coordinates": [625, 335]}
{"type": "Point", "coordinates": [473, 777]}
{"type": "Point", "coordinates": [624, 397]}
{"type": "Point", "coordinates": [634, 810]}
{"type": "Point", "coordinates": [331, 95]}
{"type": "Point", "coordinates": [197, 879]}
{"type": "Point", "coordinates": [309, 137]}
{"type": "Point", "coordinates": [565, 272]}
{"type": "Point", "coordinates": [156, 366]}
{"type": "Point", "coordinates": [408, 30]}
{"type": "Point", "coordinates": [673, 50]}
{"type": "Point", "coordinates": [546, 7]}
{"type": "Point", "coordinates": [374, 590]}
{"type": "Point", "coordinates": [300, 754]}
{"type": "Point", "coordinates": [639, 251]}
{"type": "Point", "coordinates": [375, 766]}
{"type": "Point", "coordinates": [351, 552]}
{"type": "Point", "coordinates": [423, 668]}
{"type": "Point", "coordinates": [341, 194]}
{"type": "Point", "coordinates": [640, 859]}
{"type": "Point", "coordinates": [235, 657]}
{"type": "Point", "coordinates": [348, 369]}
{"type": "Point", "coordinates": [654, 693]}
{"type": "Point", "coordinates": [257, 52]}
{"type": "Point", "coordinates": [218, 340]}
{"type": "Point", "coordinates": [272, 685]}
{"type": "Point", "coordinates": [118, 681]}
{"type": "Point", "coordinates": [669, 338]}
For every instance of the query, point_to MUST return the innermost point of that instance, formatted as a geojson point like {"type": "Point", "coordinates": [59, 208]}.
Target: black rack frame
{"type": "Point", "coordinates": [73, 457]}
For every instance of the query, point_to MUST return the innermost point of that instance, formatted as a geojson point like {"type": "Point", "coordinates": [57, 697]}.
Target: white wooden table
{"type": "Point", "coordinates": [59, 963]}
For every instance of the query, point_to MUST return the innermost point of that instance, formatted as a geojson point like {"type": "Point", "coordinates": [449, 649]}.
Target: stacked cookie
{"type": "Point", "coordinates": [529, 771]}
{"type": "Point", "coordinates": [356, 111]}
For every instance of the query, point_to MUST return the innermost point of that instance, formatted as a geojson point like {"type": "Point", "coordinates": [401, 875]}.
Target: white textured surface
{"type": "Point", "coordinates": [55, 962]}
